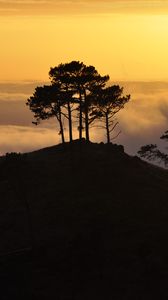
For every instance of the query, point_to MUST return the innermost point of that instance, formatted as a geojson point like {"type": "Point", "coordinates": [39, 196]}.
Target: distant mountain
{"type": "Point", "coordinates": [83, 221]}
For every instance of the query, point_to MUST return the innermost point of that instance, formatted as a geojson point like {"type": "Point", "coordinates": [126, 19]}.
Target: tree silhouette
{"type": "Point", "coordinates": [90, 80]}
{"type": "Point", "coordinates": [108, 102]}
{"type": "Point", "coordinates": [47, 102]}
{"type": "Point", "coordinates": [64, 75]}
{"type": "Point", "coordinates": [152, 153]}
{"type": "Point", "coordinates": [78, 91]}
{"type": "Point", "coordinates": [80, 80]}
{"type": "Point", "coordinates": [165, 136]}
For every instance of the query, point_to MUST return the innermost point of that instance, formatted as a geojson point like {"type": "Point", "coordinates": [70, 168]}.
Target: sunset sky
{"type": "Point", "coordinates": [126, 39]}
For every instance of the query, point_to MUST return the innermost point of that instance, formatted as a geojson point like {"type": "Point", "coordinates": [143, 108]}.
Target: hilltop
{"type": "Point", "coordinates": [92, 222]}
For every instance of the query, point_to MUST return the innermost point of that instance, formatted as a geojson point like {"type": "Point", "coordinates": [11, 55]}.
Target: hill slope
{"type": "Point", "coordinates": [97, 220]}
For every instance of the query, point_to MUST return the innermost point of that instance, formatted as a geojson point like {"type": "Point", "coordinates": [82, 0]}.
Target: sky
{"type": "Point", "coordinates": [126, 39]}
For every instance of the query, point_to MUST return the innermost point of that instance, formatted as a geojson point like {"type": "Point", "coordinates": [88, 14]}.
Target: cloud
{"type": "Point", "coordinates": [13, 97]}
{"type": "Point", "coordinates": [144, 113]}
{"type": "Point", "coordinates": [142, 120]}
{"type": "Point", "coordinates": [17, 133]}
{"type": "Point", "coordinates": [84, 6]}
{"type": "Point", "coordinates": [164, 109]}
{"type": "Point", "coordinates": [145, 117]}
{"type": "Point", "coordinates": [23, 87]}
{"type": "Point", "coordinates": [14, 113]}
{"type": "Point", "coordinates": [25, 139]}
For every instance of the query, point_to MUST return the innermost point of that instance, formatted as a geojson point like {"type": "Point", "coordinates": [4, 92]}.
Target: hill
{"type": "Point", "coordinates": [83, 221]}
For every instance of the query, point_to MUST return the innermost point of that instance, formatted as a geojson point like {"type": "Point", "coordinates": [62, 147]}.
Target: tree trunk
{"type": "Point", "coordinates": [80, 115]}
{"type": "Point", "coordinates": [107, 129]}
{"type": "Point", "coordinates": [70, 122]}
{"type": "Point", "coordinates": [61, 127]}
{"type": "Point", "coordinates": [86, 118]}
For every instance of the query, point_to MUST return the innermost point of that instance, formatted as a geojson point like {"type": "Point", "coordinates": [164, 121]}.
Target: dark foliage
{"type": "Point", "coordinates": [77, 92]}
{"type": "Point", "coordinates": [46, 103]}
{"type": "Point", "coordinates": [107, 102]}
{"type": "Point", "coordinates": [152, 153]}
{"type": "Point", "coordinates": [165, 136]}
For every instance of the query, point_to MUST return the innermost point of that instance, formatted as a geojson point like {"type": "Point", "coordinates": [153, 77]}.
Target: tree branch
{"type": "Point", "coordinates": [116, 135]}
{"type": "Point", "coordinates": [114, 126]}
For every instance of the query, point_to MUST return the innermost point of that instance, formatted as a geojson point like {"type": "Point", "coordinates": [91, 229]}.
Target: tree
{"type": "Point", "coordinates": [77, 91]}
{"type": "Point", "coordinates": [80, 80]}
{"type": "Point", "coordinates": [46, 103]}
{"type": "Point", "coordinates": [64, 75]}
{"type": "Point", "coordinates": [165, 136]}
{"type": "Point", "coordinates": [108, 102]}
{"type": "Point", "coordinates": [90, 80]}
{"type": "Point", "coordinates": [152, 153]}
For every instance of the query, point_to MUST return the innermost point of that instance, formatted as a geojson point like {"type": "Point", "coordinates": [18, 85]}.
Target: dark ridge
{"type": "Point", "coordinates": [93, 222]}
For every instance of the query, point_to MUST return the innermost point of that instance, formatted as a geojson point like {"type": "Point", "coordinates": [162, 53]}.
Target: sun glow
{"type": "Point", "coordinates": [128, 47]}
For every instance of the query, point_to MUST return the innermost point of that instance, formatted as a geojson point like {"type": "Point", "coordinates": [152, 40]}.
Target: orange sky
{"type": "Point", "coordinates": [126, 39]}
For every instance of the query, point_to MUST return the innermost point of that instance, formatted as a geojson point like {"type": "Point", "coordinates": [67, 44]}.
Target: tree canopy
{"type": "Point", "coordinates": [79, 94]}
{"type": "Point", "coordinates": [152, 153]}
{"type": "Point", "coordinates": [108, 102]}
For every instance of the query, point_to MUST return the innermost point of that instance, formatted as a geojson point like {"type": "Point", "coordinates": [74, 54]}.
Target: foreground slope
{"type": "Point", "coordinates": [91, 220]}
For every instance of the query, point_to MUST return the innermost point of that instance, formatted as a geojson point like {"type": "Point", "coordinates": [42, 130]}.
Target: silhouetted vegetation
{"type": "Point", "coordinates": [13, 156]}
{"type": "Point", "coordinates": [107, 102]}
{"type": "Point", "coordinates": [78, 92]}
{"type": "Point", "coordinates": [152, 153]}
{"type": "Point", "coordinates": [96, 232]}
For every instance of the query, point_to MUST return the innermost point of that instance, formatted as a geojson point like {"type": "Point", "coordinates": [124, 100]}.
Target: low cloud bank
{"type": "Point", "coordinates": [145, 117]}
{"type": "Point", "coordinates": [142, 120]}
{"type": "Point", "coordinates": [24, 138]}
